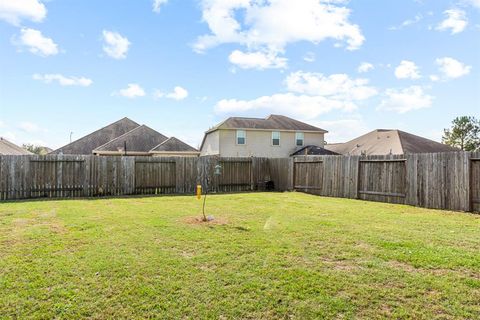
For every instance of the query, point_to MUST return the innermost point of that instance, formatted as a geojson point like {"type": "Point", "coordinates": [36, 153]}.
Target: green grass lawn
{"type": "Point", "coordinates": [268, 256]}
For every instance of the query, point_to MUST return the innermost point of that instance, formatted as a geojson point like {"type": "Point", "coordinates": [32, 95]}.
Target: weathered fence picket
{"type": "Point", "coordinates": [439, 180]}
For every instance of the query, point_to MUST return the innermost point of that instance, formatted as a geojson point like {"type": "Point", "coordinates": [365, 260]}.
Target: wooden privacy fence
{"type": "Point", "coordinates": [432, 180]}
{"type": "Point", "coordinates": [63, 176]}
{"type": "Point", "coordinates": [435, 180]}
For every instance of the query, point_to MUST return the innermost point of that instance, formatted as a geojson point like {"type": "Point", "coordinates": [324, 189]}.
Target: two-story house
{"type": "Point", "coordinates": [275, 136]}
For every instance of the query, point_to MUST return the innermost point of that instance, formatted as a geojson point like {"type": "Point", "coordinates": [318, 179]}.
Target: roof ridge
{"type": "Point", "coordinates": [119, 137]}
{"type": "Point", "coordinates": [91, 133]}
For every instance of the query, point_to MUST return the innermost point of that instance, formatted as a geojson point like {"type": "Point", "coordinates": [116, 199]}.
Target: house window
{"type": "Point", "coordinates": [241, 137]}
{"type": "Point", "coordinates": [275, 138]}
{"type": "Point", "coordinates": [299, 136]}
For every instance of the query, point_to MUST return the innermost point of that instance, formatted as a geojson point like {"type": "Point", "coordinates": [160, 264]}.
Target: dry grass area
{"type": "Point", "coordinates": [264, 256]}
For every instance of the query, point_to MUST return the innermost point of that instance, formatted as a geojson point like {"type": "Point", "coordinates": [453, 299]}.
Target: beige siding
{"type": "Point", "coordinates": [211, 145]}
{"type": "Point", "coordinates": [259, 143]}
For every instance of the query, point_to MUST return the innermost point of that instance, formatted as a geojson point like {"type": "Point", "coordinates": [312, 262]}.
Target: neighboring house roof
{"type": "Point", "coordinates": [141, 139]}
{"type": "Point", "coordinates": [98, 138]}
{"type": "Point", "coordinates": [313, 150]}
{"type": "Point", "coordinates": [385, 141]}
{"type": "Point", "coordinates": [173, 145]}
{"type": "Point", "coordinates": [272, 122]}
{"type": "Point", "coordinates": [9, 148]}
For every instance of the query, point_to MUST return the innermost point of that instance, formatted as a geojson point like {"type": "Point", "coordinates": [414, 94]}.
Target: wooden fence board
{"type": "Point", "coordinates": [441, 180]}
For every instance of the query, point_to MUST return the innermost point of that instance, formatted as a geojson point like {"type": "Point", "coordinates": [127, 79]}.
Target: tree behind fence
{"type": "Point", "coordinates": [437, 180]}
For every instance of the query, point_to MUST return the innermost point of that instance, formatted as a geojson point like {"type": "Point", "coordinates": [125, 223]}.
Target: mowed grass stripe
{"type": "Point", "coordinates": [266, 256]}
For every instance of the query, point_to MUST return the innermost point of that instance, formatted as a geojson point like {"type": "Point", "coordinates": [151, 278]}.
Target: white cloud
{"type": "Point", "coordinates": [336, 86]}
{"type": "Point", "coordinates": [407, 70]}
{"type": "Point", "coordinates": [63, 80]}
{"type": "Point", "coordinates": [310, 95]}
{"type": "Point", "coordinates": [272, 25]}
{"type": "Point", "coordinates": [456, 21]}
{"type": "Point", "coordinates": [133, 90]}
{"type": "Point", "coordinates": [36, 42]}
{"type": "Point", "coordinates": [115, 46]}
{"type": "Point", "coordinates": [365, 67]}
{"type": "Point", "coordinates": [286, 103]}
{"type": "Point", "coordinates": [405, 100]}
{"type": "Point", "coordinates": [13, 11]}
{"type": "Point", "coordinates": [29, 127]}
{"type": "Point", "coordinates": [178, 94]}
{"type": "Point", "coordinates": [408, 22]}
{"type": "Point", "coordinates": [157, 4]}
{"type": "Point", "coordinates": [451, 68]}
{"type": "Point", "coordinates": [309, 57]}
{"type": "Point", "coordinates": [257, 60]}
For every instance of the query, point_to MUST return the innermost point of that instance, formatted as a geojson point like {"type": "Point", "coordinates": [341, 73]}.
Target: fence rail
{"type": "Point", "coordinates": [67, 176]}
{"type": "Point", "coordinates": [437, 180]}
{"type": "Point", "coordinates": [448, 180]}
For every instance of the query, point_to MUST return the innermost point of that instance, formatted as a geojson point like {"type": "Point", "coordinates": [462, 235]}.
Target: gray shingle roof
{"type": "Point", "coordinates": [272, 122]}
{"type": "Point", "coordinates": [174, 145]}
{"type": "Point", "coordinates": [9, 148]}
{"type": "Point", "coordinates": [140, 139]}
{"type": "Point", "coordinates": [385, 141]}
{"type": "Point", "coordinates": [87, 144]}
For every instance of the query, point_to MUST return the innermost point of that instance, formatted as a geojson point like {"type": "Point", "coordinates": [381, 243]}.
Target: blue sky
{"type": "Point", "coordinates": [182, 66]}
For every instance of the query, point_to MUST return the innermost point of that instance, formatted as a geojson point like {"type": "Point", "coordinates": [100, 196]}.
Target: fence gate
{"type": "Point", "coordinates": [155, 176]}
{"type": "Point", "coordinates": [308, 176]}
{"type": "Point", "coordinates": [382, 180]}
{"type": "Point", "coordinates": [236, 176]}
{"type": "Point", "coordinates": [56, 178]}
{"type": "Point", "coordinates": [475, 183]}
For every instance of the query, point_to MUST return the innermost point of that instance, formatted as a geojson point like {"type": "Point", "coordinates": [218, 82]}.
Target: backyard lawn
{"type": "Point", "coordinates": [265, 256]}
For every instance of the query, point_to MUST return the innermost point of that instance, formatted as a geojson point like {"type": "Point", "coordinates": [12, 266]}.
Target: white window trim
{"type": "Point", "coordinates": [303, 139]}
{"type": "Point", "coordinates": [279, 139]}
{"type": "Point", "coordinates": [236, 137]}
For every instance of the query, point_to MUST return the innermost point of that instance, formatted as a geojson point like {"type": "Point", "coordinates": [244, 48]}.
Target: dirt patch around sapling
{"type": "Point", "coordinates": [199, 221]}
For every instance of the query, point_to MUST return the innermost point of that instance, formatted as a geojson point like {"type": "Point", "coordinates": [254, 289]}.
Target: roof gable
{"type": "Point", "coordinates": [173, 145]}
{"type": "Point", "coordinates": [88, 143]}
{"type": "Point", "coordinates": [140, 139]}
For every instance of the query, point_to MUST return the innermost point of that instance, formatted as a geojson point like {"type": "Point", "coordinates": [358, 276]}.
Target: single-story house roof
{"type": "Point", "coordinates": [388, 141]}
{"type": "Point", "coordinates": [272, 122]}
{"type": "Point", "coordinates": [140, 140]}
{"type": "Point", "coordinates": [311, 150]}
{"type": "Point", "coordinates": [87, 144]}
{"type": "Point", "coordinates": [173, 145]}
{"type": "Point", "coordinates": [9, 148]}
